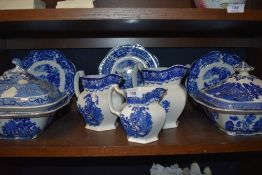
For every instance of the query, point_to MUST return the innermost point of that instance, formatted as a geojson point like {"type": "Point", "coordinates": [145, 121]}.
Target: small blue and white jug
{"type": "Point", "coordinates": [169, 78]}
{"type": "Point", "coordinates": [92, 103]}
{"type": "Point", "coordinates": [142, 117]}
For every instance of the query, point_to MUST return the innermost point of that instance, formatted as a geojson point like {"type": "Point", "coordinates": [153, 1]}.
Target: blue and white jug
{"type": "Point", "coordinates": [170, 79]}
{"type": "Point", "coordinates": [92, 103]}
{"type": "Point", "coordinates": [142, 117]}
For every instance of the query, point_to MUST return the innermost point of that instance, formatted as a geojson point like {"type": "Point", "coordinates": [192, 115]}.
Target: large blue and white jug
{"type": "Point", "coordinates": [92, 103]}
{"type": "Point", "coordinates": [142, 117]}
{"type": "Point", "coordinates": [170, 79]}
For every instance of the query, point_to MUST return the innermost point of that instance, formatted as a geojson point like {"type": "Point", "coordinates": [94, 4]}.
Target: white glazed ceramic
{"type": "Point", "coordinates": [92, 103]}
{"type": "Point", "coordinates": [142, 117]}
{"type": "Point", "coordinates": [245, 122]}
{"type": "Point", "coordinates": [24, 127]}
{"type": "Point", "coordinates": [169, 78]}
{"type": "Point", "coordinates": [236, 124]}
{"type": "Point", "coordinates": [27, 104]}
{"type": "Point", "coordinates": [218, 4]}
{"type": "Point", "coordinates": [27, 125]}
{"type": "Point", "coordinates": [235, 105]}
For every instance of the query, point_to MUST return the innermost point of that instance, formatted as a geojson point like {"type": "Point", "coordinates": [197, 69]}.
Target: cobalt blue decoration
{"type": "Point", "coordinates": [210, 69]}
{"type": "Point", "coordinates": [20, 127]}
{"type": "Point", "coordinates": [122, 59]}
{"type": "Point", "coordinates": [53, 66]}
{"type": "Point", "coordinates": [91, 112]}
{"type": "Point", "coordinates": [138, 124]}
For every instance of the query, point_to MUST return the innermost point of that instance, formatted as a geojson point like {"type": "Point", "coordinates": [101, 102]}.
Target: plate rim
{"type": "Point", "coordinates": [32, 54]}
{"type": "Point", "coordinates": [116, 48]}
{"type": "Point", "coordinates": [190, 79]}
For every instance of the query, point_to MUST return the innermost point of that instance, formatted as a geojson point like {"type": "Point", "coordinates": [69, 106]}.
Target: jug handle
{"type": "Point", "coordinates": [137, 67]}
{"type": "Point", "coordinates": [110, 98]}
{"type": "Point", "coordinates": [78, 74]}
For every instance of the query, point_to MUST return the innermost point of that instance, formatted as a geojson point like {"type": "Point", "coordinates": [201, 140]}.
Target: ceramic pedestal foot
{"type": "Point", "coordinates": [142, 140]}
{"type": "Point", "coordinates": [171, 125]}
{"type": "Point", "coordinates": [102, 128]}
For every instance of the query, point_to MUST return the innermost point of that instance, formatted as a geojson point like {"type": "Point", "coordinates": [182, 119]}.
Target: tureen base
{"type": "Point", "coordinates": [236, 124]}
{"type": "Point", "coordinates": [24, 128]}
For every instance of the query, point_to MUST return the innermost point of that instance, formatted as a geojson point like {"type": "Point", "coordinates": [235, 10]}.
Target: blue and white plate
{"type": "Point", "coordinates": [210, 69]}
{"type": "Point", "coordinates": [53, 66]}
{"type": "Point", "coordinates": [122, 59]}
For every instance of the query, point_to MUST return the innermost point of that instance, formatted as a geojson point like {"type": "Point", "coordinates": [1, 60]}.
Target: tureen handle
{"type": "Point", "coordinates": [78, 74]}
{"type": "Point", "coordinates": [110, 98]}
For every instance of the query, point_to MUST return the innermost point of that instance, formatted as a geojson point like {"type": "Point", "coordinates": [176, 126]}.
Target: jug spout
{"type": "Point", "coordinates": [144, 95]}
{"type": "Point", "coordinates": [164, 75]}
{"type": "Point", "coordinates": [178, 71]}
{"type": "Point", "coordinates": [159, 93]}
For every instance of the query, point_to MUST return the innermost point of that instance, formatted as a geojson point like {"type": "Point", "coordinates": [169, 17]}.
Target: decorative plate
{"type": "Point", "coordinates": [53, 66]}
{"type": "Point", "coordinates": [210, 69]}
{"type": "Point", "coordinates": [122, 59]}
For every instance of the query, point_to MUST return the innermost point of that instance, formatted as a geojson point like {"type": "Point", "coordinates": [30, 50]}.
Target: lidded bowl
{"type": "Point", "coordinates": [27, 104]}
{"type": "Point", "coordinates": [235, 104]}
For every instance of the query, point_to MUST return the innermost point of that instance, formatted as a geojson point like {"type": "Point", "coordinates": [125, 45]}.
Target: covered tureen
{"type": "Point", "coordinates": [26, 103]}
{"type": "Point", "coordinates": [235, 104]}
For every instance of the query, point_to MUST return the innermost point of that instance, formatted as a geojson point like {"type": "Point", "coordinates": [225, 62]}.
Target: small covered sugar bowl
{"type": "Point", "coordinates": [27, 104]}
{"type": "Point", "coordinates": [235, 104]}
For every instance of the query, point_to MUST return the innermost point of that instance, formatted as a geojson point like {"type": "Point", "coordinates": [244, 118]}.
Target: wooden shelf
{"type": "Point", "coordinates": [67, 137]}
{"type": "Point", "coordinates": [126, 22]}
{"type": "Point", "coordinates": [127, 14]}
{"type": "Point", "coordinates": [160, 23]}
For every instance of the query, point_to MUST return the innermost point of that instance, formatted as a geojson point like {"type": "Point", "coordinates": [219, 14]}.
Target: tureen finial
{"type": "Point", "coordinates": [15, 72]}
{"type": "Point", "coordinates": [16, 61]}
{"type": "Point", "coordinates": [243, 68]}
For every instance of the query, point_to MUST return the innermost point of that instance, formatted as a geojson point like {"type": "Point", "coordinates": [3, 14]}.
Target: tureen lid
{"type": "Point", "coordinates": [21, 89]}
{"type": "Point", "coordinates": [240, 91]}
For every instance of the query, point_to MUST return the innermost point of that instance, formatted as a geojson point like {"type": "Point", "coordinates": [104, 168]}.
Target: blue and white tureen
{"type": "Point", "coordinates": [235, 104]}
{"type": "Point", "coordinates": [27, 104]}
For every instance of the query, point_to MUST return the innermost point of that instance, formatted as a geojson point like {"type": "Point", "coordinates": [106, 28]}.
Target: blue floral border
{"type": "Point", "coordinates": [176, 72]}
{"type": "Point", "coordinates": [95, 84]}
{"type": "Point", "coordinates": [136, 50]}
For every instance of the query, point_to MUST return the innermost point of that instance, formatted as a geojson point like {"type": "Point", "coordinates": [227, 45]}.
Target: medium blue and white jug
{"type": "Point", "coordinates": [142, 117]}
{"type": "Point", "coordinates": [169, 78]}
{"type": "Point", "coordinates": [92, 103]}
